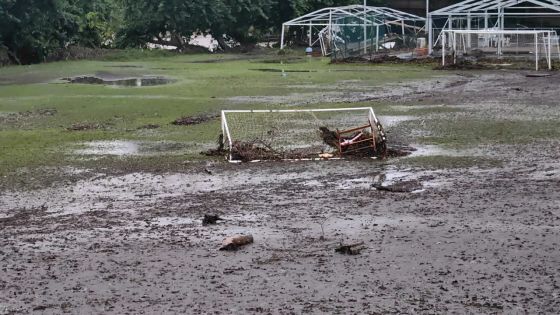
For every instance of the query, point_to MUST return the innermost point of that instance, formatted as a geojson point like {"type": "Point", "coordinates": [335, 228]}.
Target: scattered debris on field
{"type": "Point", "coordinates": [149, 126]}
{"type": "Point", "coordinates": [19, 116]}
{"type": "Point", "coordinates": [235, 242]}
{"type": "Point", "coordinates": [352, 249]}
{"type": "Point", "coordinates": [210, 219]}
{"type": "Point", "coordinates": [84, 126]}
{"type": "Point", "coordinates": [194, 120]}
{"type": "Point", "coordinates": [400, 187]}
{"type": "Point", "coordinates": [538, 75]}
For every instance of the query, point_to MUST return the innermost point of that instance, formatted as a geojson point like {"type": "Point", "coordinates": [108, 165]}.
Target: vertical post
{"type": "Point", "coordinates": [549, 50]}
{"type": "Point", "coordinates": [310, 34]}
{"type": "Point", "coordinates": [365, 27]}
{"type": "Point", "coordinates": [536, 52]}
{"type": "Point", "coordinates": [403, 33]}
{"type": "Point", "coordinates": [427, 15]}
{"type": "Point", "coordinates": [430, 34]}
{"type": "Point", "coordinates": [469, 39]}
{"type": "Point", "coordinates": [282, 36]}
{"type": "Point", "coordinates": [377, 38]}
{"type": "Point", "coordinates": [454, 36]}
{"type": "Point", "coordinates": [443, 48]}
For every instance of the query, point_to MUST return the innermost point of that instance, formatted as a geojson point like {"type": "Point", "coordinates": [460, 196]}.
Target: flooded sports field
{"type": "Point", "coordinates": [104, 192]}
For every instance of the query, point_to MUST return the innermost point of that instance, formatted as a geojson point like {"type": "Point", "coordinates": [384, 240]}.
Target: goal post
{"type": "Point", "coordinates": [491, 43]}
{"type": "Point", "coordinates": [293, 134]}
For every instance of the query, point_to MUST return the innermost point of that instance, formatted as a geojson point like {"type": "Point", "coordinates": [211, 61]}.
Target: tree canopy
{"type": "Point", "coordinates": [30, 30]}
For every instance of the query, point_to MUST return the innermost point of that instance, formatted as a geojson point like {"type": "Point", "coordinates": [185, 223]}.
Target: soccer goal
{"type": "Point", "coordinates": [253, 135]}
{"type": "Point", "coordinates": [491, 43]}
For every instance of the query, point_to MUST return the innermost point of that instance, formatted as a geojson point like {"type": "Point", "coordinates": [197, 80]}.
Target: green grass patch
{"type": "Point", "coordinates": [466, 132]}
{"type": "Point", "coordinates": [203, 84]}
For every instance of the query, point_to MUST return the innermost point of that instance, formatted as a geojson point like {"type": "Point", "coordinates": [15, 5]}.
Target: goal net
{"type": "Point", "coordinates": [533, 46]}
{"type": "Point", "coordinates": [250, 135]}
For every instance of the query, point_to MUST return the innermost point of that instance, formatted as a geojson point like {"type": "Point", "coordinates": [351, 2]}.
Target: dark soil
{"type": "Point", "coordinates": [85, 126]}
{"type": "Point", "coordinates": [194, 120]}
{"type": "Point", "coordinates": [477, 239]}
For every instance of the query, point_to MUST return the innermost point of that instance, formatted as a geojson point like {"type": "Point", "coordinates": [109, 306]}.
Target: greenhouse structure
{"type": "Point", "coordinates": [357, 30]}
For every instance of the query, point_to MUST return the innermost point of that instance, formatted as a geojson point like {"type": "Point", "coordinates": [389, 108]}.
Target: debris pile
{"type": "Point", "coordinates": [351, 249]}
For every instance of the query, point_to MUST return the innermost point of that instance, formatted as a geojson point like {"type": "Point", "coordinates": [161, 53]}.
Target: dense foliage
{"type": "Point", "coordinates": [30, 30]}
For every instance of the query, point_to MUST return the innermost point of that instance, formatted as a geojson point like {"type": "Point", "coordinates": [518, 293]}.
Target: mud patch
{"type": "Point", "coordinates": [123, 82]}
{"type": "Point", "coordinates": [85, 126]}
{"type": "Point", "coordinates": [194, 120]}
{"type": "Point", "coordinates": [149, 127]}
{"type": "Point", "coordinates": [13, 117]}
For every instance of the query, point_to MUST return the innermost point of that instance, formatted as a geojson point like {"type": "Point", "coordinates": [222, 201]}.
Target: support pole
{"type": "Point", "coordinates": [549, 56]}
{"type": "Point", "coordinates": [310, 34]}
{"type": "Point", "coordinates": [282, 36]}
{"type": "Point", "coordinates": [427, 15]}
{"type": "Point", "coordinates": [454, 37]}
{"type": "Point", "coordinates": [365, 27]}
{"type": "Point", "coordinates": [469, 26]}
{"type": "Point", "coordinates": [536, 52]}
{"type": "Point", "coordinates": [403, 32]}
{"type": "Point", "coordinates": [430, 34]}
{"type": "Point", "coordinates": [443, 49]}
{"type": "Point", "coordinates": [377, 38]}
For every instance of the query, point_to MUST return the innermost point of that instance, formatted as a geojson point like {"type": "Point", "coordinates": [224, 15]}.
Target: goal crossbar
{"type": "Point", "coordinates": [228, 138]}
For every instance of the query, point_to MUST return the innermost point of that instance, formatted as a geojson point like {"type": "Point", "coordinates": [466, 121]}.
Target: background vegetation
{"type": "Point", "coordinates": [33, 30]}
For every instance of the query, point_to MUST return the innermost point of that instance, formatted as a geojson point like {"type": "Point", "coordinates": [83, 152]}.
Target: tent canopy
{"type": "Point", "coordinates": [367, 17]}
{"type": "Point", "coordinates": [365, 14]}
{"type": "Point", "coordinates": [505, 7]}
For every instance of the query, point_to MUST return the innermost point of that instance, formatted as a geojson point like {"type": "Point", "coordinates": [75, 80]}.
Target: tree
{"type": "Point", "coordinates": [30, 29]}
{"type": "Point", "coordinates": [167, 22]}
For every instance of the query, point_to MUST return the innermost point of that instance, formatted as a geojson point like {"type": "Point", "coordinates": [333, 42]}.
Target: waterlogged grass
{"type": "Point", "coordinates": [202, 84]}
{"type": "Point", "coordinates": [466, 132]}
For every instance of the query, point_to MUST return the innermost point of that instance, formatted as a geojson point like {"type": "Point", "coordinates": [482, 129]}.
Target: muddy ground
{"type": "Point", "coordinates": [480, 239]}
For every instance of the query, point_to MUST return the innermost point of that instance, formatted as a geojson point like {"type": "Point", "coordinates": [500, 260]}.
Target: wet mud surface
{"type": "Point", "coordinates": [479, 239]}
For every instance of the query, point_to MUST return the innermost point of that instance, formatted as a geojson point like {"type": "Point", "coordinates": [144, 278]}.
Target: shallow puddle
{"type": "Point", "coordinates": [135, 148]}
{"type": "Point", "coordinates": [124, 82]}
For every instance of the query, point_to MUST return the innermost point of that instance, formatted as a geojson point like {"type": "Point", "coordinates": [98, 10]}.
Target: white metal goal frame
{"type": "Point", "coordinates": [486, 14]}
{"type": "Point", "coordinates": [228, 141]}
{"type": "Point", "coordinates": [546, 38]}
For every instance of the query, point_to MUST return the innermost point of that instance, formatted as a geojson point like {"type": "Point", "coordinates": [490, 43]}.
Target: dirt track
{"type": "Point", "coordinates": [481, 239]}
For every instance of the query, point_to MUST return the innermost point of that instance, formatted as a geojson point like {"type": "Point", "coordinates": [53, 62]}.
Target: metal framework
{"type": "Point", "coordinates": [360, 115]}
{"type": "Point", "coordinates": [457, 41]}
{"type": "Point", "coordinates": [325, 20]}
{"type": "Point", "coordinates": [493, 13]}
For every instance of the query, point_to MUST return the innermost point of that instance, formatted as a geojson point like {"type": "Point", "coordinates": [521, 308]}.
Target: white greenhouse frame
{"type": "Point", "coordinates": [545, 35]}
{"type": "Point", "coordinates": [228, 141]}
{"type": "Point", "coordinates": [327, 18]}
{"type": "Point", "coordinates": [497, 10]}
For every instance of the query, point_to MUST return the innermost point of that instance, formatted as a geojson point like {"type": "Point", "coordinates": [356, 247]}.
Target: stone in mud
{"type": "Point", "coordinates": [210, 219]}
{"type": "Point", "coordinates": [400, 187]}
